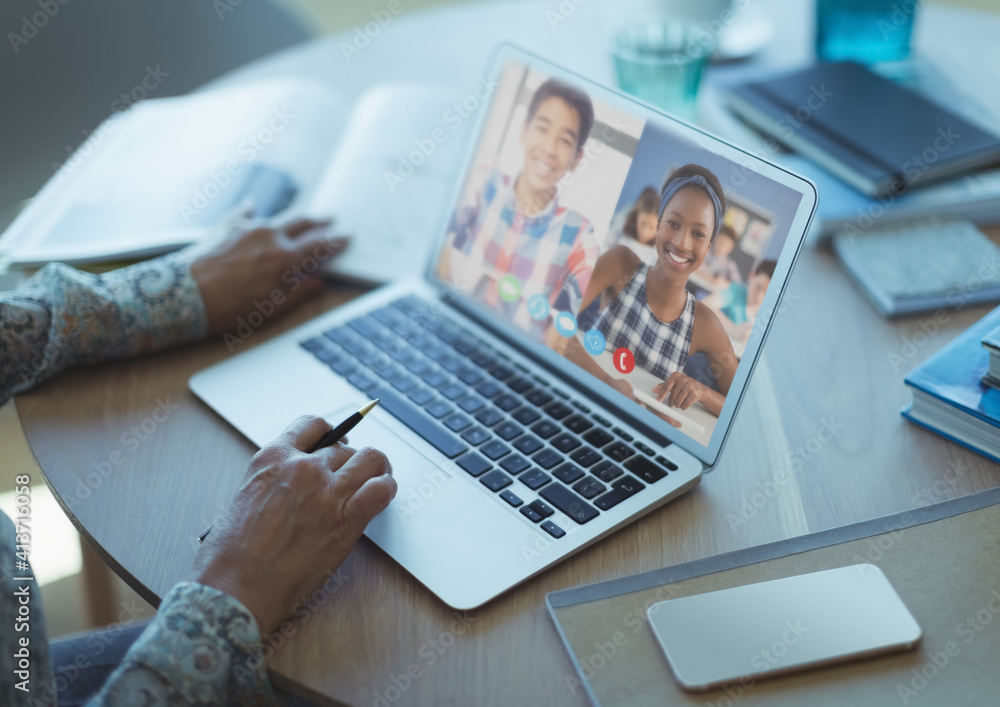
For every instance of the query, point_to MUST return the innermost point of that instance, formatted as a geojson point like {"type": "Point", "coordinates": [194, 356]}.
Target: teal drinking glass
{"type": "Point", "coordinates": [661, 62]}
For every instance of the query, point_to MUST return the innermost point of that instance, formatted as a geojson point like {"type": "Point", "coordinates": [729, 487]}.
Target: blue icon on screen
{"type": "Point", "coordinates": [565, 323]}
{"type": "Point", "coordinates": [594, 342]}
{"type": "Point", "coordinates": [538, 307]}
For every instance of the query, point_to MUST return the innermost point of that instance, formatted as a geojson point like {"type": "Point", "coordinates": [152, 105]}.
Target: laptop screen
{"type": "Point", "coordinates": [638, 250]}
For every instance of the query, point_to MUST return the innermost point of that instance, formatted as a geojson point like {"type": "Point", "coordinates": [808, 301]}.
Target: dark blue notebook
{"type": "Point", "coordinates": [949, 396]}
{"type": "Point", "coordinates": [875, 135]}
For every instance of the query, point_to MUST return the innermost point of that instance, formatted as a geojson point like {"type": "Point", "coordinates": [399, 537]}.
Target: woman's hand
{"type": "Point", "coordinates": [680, 391]}
{"type": "Point", "coordinates": [263, 269]}
{"type": "Point", "coordinates": [296, 519]}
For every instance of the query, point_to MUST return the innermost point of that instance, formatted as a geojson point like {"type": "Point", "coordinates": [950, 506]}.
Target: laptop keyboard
{"type": "Point", "coordinates": [514, 432]}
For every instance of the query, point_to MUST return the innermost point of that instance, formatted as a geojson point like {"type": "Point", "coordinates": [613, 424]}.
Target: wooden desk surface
{"type": "Point", "coordinates": [819, 442]}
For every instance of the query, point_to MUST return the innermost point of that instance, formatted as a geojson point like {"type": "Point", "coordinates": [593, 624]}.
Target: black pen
{"type": "Point", "coordinates": [327, 440]}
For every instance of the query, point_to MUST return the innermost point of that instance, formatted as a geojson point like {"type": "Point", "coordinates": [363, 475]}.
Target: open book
{"type": "Point", "coordinates": [169, 172]}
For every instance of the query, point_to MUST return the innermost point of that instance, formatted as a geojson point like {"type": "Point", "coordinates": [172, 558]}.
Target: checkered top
{"type": "Point", "coordinates": [552, 253]}
{"type": "Point", "coordinates": [659, 347]}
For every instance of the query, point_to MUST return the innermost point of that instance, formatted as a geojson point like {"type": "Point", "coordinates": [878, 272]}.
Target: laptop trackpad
{"type": "Point", "coordinates": [428, 527]}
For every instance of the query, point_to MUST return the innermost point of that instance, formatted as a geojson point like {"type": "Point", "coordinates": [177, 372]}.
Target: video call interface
{"type": "Point", "coordinates": [626, 248]}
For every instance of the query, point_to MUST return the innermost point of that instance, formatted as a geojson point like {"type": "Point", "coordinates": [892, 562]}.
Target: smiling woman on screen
{"type": "Point", "coordinates": [648, 309]}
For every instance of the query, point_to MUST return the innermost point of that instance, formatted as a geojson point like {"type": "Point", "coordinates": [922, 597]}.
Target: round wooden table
{"type": "Point", "coordinates": [142, 467]}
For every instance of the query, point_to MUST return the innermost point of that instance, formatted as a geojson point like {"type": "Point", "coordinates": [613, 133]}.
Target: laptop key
{"type": "Point", "coordinates": [606, 471]}
{"type": "Point", "coordinates": [553, 529]}
{"type": "Point", "coordinates": [457, 422]}
{"type": "Point", "coordinates": [519, 384]}
{"type": "Point", "coordinates": [645, 469]}
{"type": "Point", "coordinates": [558, 410]}
{"type": "Point", "coordinates": [488, 389]}
{"type": "Point", "coordinates": [475, 436]}
{"type": "Point", "coordinates": [545, 428]}
{"type": "Point", "coordinates": [421, 396]}
{"type": "Point", "coordinates": [578, 424]}
{"type": "Point", "coordinates": [565, 443]}
{"type": "Point", "coordinates": [547, 458]}
{"type": "Point", "coordinates": [345, 367]}
{"type": "Point", "coordinates": [471, 403]}
{"type": "Point", "coordinates": [528, 444]}
{"type": "Point", "coordinates": [569, 503]}
{"type": "Point", "coordinates": [474, 464]}
{"type": "Point", "coordinates": [568, 472]}
{"type": "Point", "coordinates": [507, 402]}
{"type": "Point", "coordinates": [538, 398]}
{"type": "Point", "coordinates": [531, 514]}
{"type": "Point", "coordinates": [535, 479]}
{"type": "Point", "coordinates": [515, 464]}
{"type": "Point", "coordinates": [452, 391]}
{"type": "Point", "coordinates": [439, 409]}
{"type": "Point", "coordinates": [622, 433]}
{"type": "Point", "coordinates": [496, 480]}
{"type": "Point", "coordinates": [597, 437]}
{"type": "Point", "coordinates": [415, 418]}
{"type": "Point", "coordinates": [361, 381]}
{"type": "Point", "coordinates": [512, 498]}
{"type": "Point", "coordinates": [435, 378]}
{"type": "Point", "coordinates": [585, 457]}
{"type": "Point", "coordinates": [541, 508]}
{"type": "Point", "coordinates": [470, 376]}
{"type": "Point", "coordinates": [526, 415]}
{"type": "Point", "coordinates": [645, 449]}
{"type": "Point", "coordinates": [452, 364]}
{"type": "Point", "coordinates": [500, 372]}
{"type": "Point", "coordinates": [620, 490]}
{"type": "Point", "coordinates": [495, 449]}
{"type": "Point", "coordinates": [589, 487]}
{"type": "Point", "coordinates": [315, 344]}
{"type": "Point", "coordinates": [619, 451]}
{"type": "Point", "coordinates": [404, 384]}
{"type": "Point", "coordinates": [508, 430]}
{"type": "Point", "coordinates": [367, 326]}
{"type": "Point", "coordinates": [666, 462]}
{"type": "Point", "coordinates": [489, 416]}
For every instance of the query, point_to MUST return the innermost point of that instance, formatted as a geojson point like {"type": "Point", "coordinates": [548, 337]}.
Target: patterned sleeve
{"type": "Point", "coordinates": [203, 648]}
{"type": "Point", "coordinates": [580, 265]}
{"type": "Point", "coordinates": [63, 316]}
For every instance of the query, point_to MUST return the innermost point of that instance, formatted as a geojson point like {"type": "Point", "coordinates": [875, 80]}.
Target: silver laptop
{"type": "Point", "coordinates": [554, 375]}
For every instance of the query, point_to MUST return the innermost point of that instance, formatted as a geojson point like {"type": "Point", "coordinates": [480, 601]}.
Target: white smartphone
{"type": "Point", "coordinates": [743, 633]}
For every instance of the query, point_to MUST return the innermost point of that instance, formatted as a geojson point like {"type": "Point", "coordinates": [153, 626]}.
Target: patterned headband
{"type": "Point", "coordinates": [681, 182]}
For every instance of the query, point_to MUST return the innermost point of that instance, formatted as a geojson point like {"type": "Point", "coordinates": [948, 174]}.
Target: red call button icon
{"type": "Point", "coordinates": [624, 360]}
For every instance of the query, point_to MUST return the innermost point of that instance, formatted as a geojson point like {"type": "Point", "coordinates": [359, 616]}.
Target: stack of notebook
{"type": "Point", "coordinates": [955, 391]}
{"type": "Point", "coordinates": [921, 265]}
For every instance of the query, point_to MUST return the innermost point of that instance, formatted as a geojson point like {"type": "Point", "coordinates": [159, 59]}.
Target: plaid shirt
{"type": "Point", "coordinates": [659, 347]}
{"type": "Point", "coordinates": [552, 253]}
